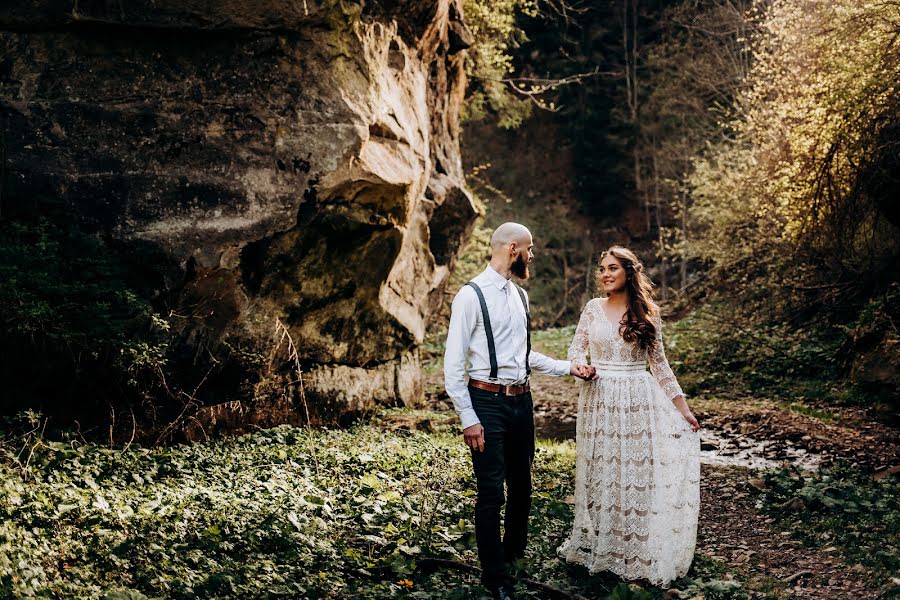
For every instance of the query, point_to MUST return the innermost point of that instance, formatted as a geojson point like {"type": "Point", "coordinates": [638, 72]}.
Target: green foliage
{"type": "Point", "coordinates": [555, 341]}
{"type": "Point", "coordinates": [741, 350]}
{"type": "Point", "coordinates": [716, 349]}
{"type": "Point", "coordinates": [64, 286]}
{"type": "Point", "coordinates": [710, 581]}
{"type": "Point", "coordinates": [876, 319]}
{"type": "Point", "coordinates": [843, 507]}
{"type": "Point", "coordinates": [623, 591]}
{"type": "Point", "coordinates": [271, 514]}
{"type": "Point", "coordinates": [71, 311]}
{"type": "Point", "coordinates": [284, 512]}
{"type": "Point", "coordinates": [490, 61]}
{"type": "Point", "coordinates": [796, 194]}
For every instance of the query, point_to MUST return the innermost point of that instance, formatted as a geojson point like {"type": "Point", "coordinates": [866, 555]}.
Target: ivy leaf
{"type": "Point", "coordinates": [370, 480]}
{"type": "Point", "coordinates": [101, 503]}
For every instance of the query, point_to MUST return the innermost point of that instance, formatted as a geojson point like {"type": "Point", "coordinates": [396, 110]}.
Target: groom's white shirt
{"type": "Point", "coordinates": [467, 348]}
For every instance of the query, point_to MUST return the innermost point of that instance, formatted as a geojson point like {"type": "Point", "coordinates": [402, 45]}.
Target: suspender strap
{"type": "Point", "coordinates": [487, 328]}
{"type": "Point", "coordinates": [527, 329]}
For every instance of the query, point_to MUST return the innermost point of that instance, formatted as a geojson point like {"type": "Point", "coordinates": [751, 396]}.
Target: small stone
{"type": "Point", "coordinates": [794, 503]}
{"type": "Point", "coordinates": [758, 484]}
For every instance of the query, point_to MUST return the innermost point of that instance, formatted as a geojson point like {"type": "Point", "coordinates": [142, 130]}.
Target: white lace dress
{"type": "Point", "coordinates": [637, 477]}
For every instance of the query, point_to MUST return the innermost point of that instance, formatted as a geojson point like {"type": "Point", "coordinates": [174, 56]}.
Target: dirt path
{"type": "Point", "coordinates": [734, 532]}
{"type": "Point", "coordinates": [741, 436]}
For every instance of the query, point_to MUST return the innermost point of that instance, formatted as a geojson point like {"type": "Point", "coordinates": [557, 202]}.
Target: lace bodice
{"type": "Point", "coordinates": [596, 333]}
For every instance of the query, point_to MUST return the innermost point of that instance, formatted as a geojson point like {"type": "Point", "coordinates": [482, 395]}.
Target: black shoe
{"type": "Point", "coordinates": [502, 592]}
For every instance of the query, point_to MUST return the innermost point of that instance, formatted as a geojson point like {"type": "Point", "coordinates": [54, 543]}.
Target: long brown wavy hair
{"type": "Point", "coordinates": [638, 323]}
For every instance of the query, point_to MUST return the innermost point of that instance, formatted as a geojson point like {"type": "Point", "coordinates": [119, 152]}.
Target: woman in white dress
{"type": "Point", "coordinates": [637, 478]}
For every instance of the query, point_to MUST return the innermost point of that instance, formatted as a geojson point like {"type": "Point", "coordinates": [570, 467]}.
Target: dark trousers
{"type": "Point", "coordinates": [508, 423]}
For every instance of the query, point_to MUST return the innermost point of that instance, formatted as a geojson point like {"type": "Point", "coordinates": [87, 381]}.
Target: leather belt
{"type": "Point", "coordinates": [497, 388]}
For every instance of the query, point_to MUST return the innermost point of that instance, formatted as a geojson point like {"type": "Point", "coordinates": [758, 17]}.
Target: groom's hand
{"type": "Point", "coordinates": [474, 436]}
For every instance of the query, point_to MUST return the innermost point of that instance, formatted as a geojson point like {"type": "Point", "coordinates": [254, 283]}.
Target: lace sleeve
{"type": "Point", "coordinates": [660, 368]}
{"type": "Point", "coordinates": [579, 346]}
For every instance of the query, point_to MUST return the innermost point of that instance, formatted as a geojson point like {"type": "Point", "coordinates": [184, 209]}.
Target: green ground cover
{"type": "Point", "coordinates": [280, 513]}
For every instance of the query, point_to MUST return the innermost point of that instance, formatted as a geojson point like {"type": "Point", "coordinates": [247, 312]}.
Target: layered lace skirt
{"type": "Point", "coordinates": [637, 479]}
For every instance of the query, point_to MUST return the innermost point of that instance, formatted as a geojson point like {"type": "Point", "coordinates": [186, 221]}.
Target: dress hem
{"type": "Point", "coordinates": [620, 572]}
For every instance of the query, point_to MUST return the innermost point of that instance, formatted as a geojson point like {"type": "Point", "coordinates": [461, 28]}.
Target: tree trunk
{"type": "Point", "coordinates": [684, 238]}
{"type": "Point", "coordinates": [657, 200]}
{"type": "Point", "coordinates": [629, 46]}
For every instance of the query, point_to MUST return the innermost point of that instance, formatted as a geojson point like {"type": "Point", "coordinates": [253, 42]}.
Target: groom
{"type": "Point", "coordinates": [489, 338]}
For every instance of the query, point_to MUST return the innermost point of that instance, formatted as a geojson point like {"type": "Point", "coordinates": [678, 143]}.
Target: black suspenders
{"type": "Point", "coordinates": [492, 351]}
{"type": "Point", "coordinates": [527, 329]}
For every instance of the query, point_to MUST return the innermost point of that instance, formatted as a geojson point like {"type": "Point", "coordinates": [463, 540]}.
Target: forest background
{"type": "Point", "coordinates": [747, 151]}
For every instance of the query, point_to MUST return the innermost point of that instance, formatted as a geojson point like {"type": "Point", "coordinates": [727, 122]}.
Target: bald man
{"type": "Point", "coordinates": [489, 340]}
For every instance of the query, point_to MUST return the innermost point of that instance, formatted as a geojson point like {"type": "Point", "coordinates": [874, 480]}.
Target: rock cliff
{"type": "Point", "coordinates": [268, 162]}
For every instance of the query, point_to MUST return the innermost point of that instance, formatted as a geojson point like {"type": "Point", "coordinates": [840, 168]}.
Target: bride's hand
{"type": "Point", "coordinates": [691, 419]}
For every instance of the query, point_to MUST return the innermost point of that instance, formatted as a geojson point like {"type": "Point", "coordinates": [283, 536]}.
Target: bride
{"type": "Point", "coordinates": [637, 477]}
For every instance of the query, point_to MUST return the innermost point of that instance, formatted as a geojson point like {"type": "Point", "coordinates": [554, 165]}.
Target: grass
{"type": "Point", "coordinates": [280, 513]}
{"type": "Point", "coordinates": [809, 411]}
{"type": "Point", "coordinates": [553, 342]}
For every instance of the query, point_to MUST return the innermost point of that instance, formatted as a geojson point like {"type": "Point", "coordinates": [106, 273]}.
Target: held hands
{"type": "Point", "coordinates": [586, 372]}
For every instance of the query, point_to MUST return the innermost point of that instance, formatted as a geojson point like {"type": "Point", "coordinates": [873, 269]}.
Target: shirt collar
{"type": "Point", "coordinates": [496, 278]}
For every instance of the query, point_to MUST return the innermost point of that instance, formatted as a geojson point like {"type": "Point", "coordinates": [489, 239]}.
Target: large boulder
{"type": "Point", "coordinates": [288, 170]}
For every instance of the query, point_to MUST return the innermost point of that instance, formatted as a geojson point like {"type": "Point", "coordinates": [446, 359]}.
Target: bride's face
{"type": "Point", "coordinates": [612, 275]}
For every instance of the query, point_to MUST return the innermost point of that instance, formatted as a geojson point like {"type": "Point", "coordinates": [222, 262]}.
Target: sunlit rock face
{"type": "Point", "coordinates": [291, 162]}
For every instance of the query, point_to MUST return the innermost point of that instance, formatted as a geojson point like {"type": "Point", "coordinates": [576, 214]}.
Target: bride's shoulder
{"type": "Point", "coordinates": [593, 303]}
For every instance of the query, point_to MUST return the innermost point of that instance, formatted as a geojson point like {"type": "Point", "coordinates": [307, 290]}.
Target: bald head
{"type": "Point", "coordinates": [511, 250]}
{"type": "Point", "coordinates": [510, 233]}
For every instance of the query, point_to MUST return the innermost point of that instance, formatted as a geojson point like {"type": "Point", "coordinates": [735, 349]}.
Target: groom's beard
{"type": "Point", "coordinates": [520, 268]}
